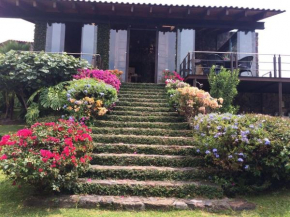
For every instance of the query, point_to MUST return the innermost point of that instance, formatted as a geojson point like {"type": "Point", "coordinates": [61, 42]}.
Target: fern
{"type": "Point", "coordinates": [32, 113]}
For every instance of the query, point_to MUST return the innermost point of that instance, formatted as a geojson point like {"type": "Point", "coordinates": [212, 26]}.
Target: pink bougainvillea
{"type": "Point", "coordinates": [106, 76]}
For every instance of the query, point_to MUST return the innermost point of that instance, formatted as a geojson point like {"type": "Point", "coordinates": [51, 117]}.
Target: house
{"type": "Point", "coordinates": [144, 39]}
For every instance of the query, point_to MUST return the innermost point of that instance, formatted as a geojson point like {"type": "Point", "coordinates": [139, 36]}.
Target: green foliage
{"type": "Point", "coordinates": [224, 85]}
{"type": "Point", "coordinates": [254, 150]}
{"type": "Point", "coordinates": [13, 45]}
{"type": "Point", "coordinates": [103, 43]}
{"type": "Point", "coordinates": [40, 36]}
{"type": "Point", "coordinates": [32, 113]}
{"type": "Point", "coordinates": [25, 72]}
{"type": "Point", "coordinates": [46, 100]}
{"type": "Point", "coordinates": [47, 155]}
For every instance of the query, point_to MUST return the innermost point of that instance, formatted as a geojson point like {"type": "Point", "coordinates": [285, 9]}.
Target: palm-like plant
{"type": "Point", "coordinates": [14, 45]}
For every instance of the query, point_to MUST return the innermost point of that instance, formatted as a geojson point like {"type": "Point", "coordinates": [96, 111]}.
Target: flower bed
{"type": "Point", "coordinates": [50, 156]}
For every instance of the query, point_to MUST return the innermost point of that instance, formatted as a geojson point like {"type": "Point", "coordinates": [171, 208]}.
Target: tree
{"type": "Point", "coordinates": [8, 97]}
{"type": "Point", "coordinates": [224, 85]}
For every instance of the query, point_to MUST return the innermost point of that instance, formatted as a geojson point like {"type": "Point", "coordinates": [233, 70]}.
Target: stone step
{"type": "Point", "coordinates": [142, 96]}
{"type": "Point", "coordinates": [179, 189]}
{"type": "Point", "coordinates": [142, 118]}
{"type": "Point", "coordinates": [143, 109]}
{"type": "Point", "coordinates": [144, 104]}
{"type": "Point", "coordinates": [141, 99]}
{"type": "Point", "coordinates": [143, 84]}
{"type": "Point", "coordinates": [146, 113]}
{"type": "Point", "coordinates": [129, 124]}
{"type": "Point", "coordinates": [140, 139]}
{"type": "Point", "coordinates": [120, 148]}
{"type": "Point", "coordinates": [142, 131]}
{"type": "Point", "coordinates": [142, 91]}
{"type": "Point", "coordinates": [146, 160]}
{"type": "Point", "coordinates": [137, 203]}
{"type": "Point", "coordinates": [143, 87]}
{"type": "Point", "coordinates": [148, 173]}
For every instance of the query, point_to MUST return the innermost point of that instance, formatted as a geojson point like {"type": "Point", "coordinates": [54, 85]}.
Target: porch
{"type": "Point", "coordinates": [264, 78]}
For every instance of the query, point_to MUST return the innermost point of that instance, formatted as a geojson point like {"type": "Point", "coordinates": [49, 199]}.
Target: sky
{"type": "Point", "coordinates": [273, 40]}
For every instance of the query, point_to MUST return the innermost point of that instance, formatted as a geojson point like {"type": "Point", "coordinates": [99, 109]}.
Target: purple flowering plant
{"type": "Point", "coordinates": [234, 141]}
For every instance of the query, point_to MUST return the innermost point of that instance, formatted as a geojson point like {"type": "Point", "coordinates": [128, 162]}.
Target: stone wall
{"type": "Point", "coordinates": [266, 103]}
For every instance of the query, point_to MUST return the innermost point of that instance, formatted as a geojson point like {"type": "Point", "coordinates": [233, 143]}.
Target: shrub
{"type": "Point", "coordinates": [50, 156]}
{"type": "Point", "coordinates": [106, 76]}
{"type": "Point", "coordinates": [252, 150]}
{"type": "Point", "coordinates": [88, 98]}
{"type": "Point", "coordinates": [25, 72]}
{"type": "Point", "coordinates": [224, 85]}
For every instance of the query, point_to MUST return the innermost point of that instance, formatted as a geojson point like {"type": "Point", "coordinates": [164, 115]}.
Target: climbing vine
{"type": "Point", "coordinates": [103, 43]}
{"type": "Point", "coordinates": [40, 36]}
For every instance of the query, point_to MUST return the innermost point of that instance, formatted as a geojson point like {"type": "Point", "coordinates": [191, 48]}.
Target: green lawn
{"type": "Point", "coordinates": [4, 129]}
{"type": "Point", "coordinates": [11, 198]}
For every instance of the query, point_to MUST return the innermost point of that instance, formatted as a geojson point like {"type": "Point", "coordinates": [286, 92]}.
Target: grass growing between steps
{"type": "Point", "coordinates": [11, 199]}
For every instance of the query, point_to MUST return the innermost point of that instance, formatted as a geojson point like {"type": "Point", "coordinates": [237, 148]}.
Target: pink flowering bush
{"type": "Point", "coordinates": [106, 76]}
{"type": "Point", "coordinates": [50, 156]}
{"type": "Point", "coordinates": [168, 75]}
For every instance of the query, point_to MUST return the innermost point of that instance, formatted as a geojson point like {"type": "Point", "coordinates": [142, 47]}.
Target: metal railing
{"type": "Point", "coordinates": [94, 59]}
{"type": "Point", "coordinates": [248, 64]}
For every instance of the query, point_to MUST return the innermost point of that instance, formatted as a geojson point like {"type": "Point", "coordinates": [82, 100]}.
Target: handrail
{"type": "Point", "coordinates": [255, 64]}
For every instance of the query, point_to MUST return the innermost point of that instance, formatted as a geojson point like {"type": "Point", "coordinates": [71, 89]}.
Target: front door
{"type": "Point", "coordinates": [142, 56]}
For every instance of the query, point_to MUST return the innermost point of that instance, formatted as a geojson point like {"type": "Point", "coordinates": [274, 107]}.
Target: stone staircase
{"type": "Point", "coordinates": [144, 157]}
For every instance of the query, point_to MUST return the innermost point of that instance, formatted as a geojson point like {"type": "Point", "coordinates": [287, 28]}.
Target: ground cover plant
{"type": "Point", "coordinates": [49, 156]}
{"type": "Point", "coordinates": [252, 150]}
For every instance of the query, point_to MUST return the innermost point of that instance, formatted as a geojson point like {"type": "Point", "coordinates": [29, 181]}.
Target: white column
{"type": "Point", "coordinates": [89, 44]}
{"type": "Point", "coordinates": [118, 51]}
{"type": "Point", "coordinates": [55, 38]}
{"type": "Point", "coordinates": [185, 44]}
{"type": "Point", "coordinates": [166, 53]}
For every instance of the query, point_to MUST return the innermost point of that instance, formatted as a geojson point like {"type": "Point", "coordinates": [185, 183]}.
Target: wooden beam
{"type": "Point", "coordinates": [188, 11]}
{"type": "Point", "coordinates": [151, 10]}
{"type": "Point", "coordinates": [260, 16]}
{"type": "Point", "coordinates": [132, 9]}
{"type": "Point", "coordinates": [76, 7]}
{"type": "Point", "coordinates": [38, 6]}
{"type": "Point", "coordinates": [113, 8]}
{"type": "Point", "coordinates": [170, 10]}
{"type": "Point", "coordinates": [206, 13]}
{"type": "Point", "coordinates": [241, 15]}
{"type": "Point", "coordinates": [224, 14]}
